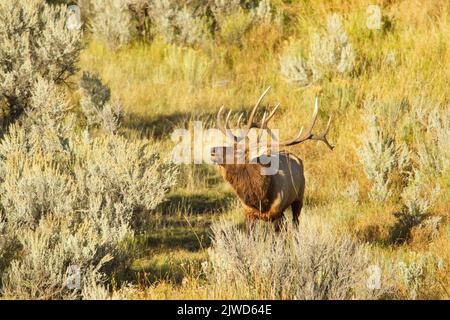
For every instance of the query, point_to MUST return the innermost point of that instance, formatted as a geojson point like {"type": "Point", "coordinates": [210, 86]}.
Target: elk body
{"type": "Point", "coordinates": [264, 196]}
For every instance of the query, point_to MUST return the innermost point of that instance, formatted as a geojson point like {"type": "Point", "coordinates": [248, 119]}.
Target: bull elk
{"type": "Point", "coordinates": [264, 197]}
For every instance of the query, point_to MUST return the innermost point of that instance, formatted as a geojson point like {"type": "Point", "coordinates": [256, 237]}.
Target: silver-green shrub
{"type": "Point", "coordinates": [192, 30]}
{"type": "Point", "coordinates": [417, 200]}
{"type": "Point", "coordinates": [232, 27]}
{"type": "Point", "coordinates": [332, 52]}
{"type": "Point", "coordinates": [193, 24]}
{"type": "Point", "coordinates": [34, 42]}
{"type": "Point", "coordinates": [180, 24]}
{"type": "Point", "coordinates": [68, 201]}
{"type": "Point", "coordinates": [433, 146]}
{"type": "Point", "coordinates": [111, 22]}
{"type": "Point", "coordinates": [380, 154]}
{"type": "Point", "coordinates": [329, 53]}
{"type": "Point", "coordinates": [352, 192]}
{"type": "Point", "coordinates": [96, 105]}
{"type": "Point", "coordinates": [163, 13]}
{"type": "Point", "coordinates": [418, 274]}
{"type": "Point", "coordinates": [295, 68]}
{"type": "Point", "coordinates": [431, 159]}
{"type": "Point", "coordinates": [263, 11]}
{"type": "Point", "coordinates": [305, 263]}
{"type": "Point", "coordinates": [225, 7]}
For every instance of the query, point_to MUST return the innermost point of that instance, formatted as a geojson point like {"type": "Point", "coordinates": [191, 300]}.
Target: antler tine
{"type": "Point", "coordinates": [219, 120]}
{"type": "Point", "coordinates": [252, 114]}
{"type": "Point", "coordinates": [308, 133]}
{"type": "Point", "coordinates": [266, 120]}
{"type": "Point", "coordinates": [227, 120]}
{"type": "Point", "coordinates": [239, 120]}
{"type": "Point", "coordinates": [323, 135]}
{"type": "Point", "coordinates": [224, 129]}
{"type": "Point", "coordinates": [295, 140]}
{"type": "Point", "coordinates": [263, 125]}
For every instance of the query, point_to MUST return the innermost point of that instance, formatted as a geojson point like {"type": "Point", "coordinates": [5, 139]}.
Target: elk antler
{"type": "Point", "coordinates": [308, 135]}
{"type": "Point", "coordinates": [265, 121]}
{"type": "Point", "coordinates": [250, 124]}
{"type": "Point", "coordinates": [300, 137]}
{"type": "Point", "coordinates": [224, 128]}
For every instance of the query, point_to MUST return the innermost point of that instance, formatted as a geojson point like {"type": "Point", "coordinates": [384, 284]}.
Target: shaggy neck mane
{"type": "Point", "coordinates": [250, 185]}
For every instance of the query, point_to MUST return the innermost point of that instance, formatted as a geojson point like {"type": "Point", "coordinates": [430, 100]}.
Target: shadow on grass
{"type": "Point", "coordinates": [189, 237]}
{"type": "Point", "coordinates": [401, 230]}
{"type": "Point", "coordinates": [171, 247]}
{"type": "Point", "coordinates": [162, 125]}
{"type": "Point", "coordinates": [168, 267]}
{"type": "Point", "coordinates": [395, 232]}
{"type": "Point", "coordinates": [200, 203]}
{"type": "Point", "coordinates": [157, 127]}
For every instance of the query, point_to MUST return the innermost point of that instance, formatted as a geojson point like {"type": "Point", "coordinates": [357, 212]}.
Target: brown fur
{"type": "Point", "coordinates": [251, 187]}
{"type": "Point", "coordinates": [263, 197]}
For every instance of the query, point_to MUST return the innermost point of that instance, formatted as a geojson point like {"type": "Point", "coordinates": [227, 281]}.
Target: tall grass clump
{"type": "Point", "coordinates": [183, 64]}
{"type": "Point", "coordinates": [308, 263]}
{"type": "Point", "coordinates": [34, 43]}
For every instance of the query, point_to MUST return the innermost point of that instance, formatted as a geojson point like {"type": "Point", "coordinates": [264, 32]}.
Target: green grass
{"type": "Point", "coordinates": [173, 247]}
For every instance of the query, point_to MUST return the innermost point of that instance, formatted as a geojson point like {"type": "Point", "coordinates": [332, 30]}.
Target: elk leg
{"type": "Point", "coordinates": [277, 225]}
{"type": "Point", "coordinates": [296, 207]}
{"type": "Point", "coordinates": [277, 220]}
